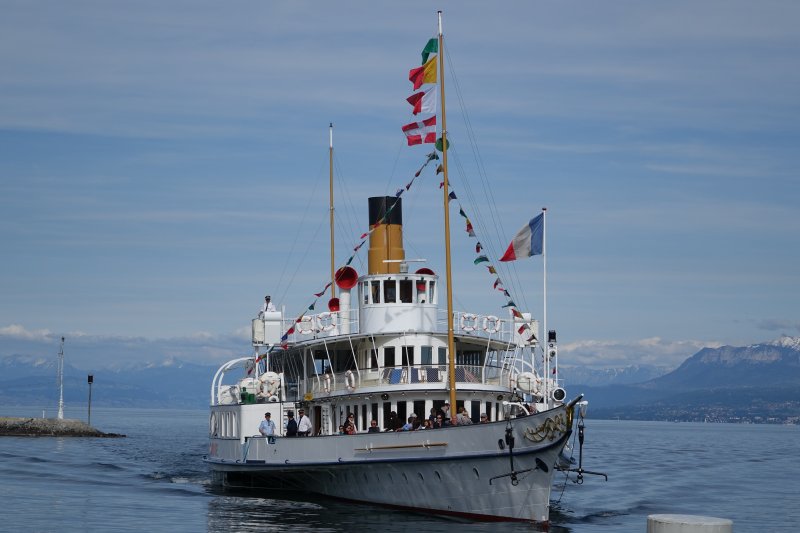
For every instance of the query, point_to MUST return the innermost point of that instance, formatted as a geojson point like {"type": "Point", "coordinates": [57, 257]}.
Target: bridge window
{"type": "Point", "coordinates": [389, 291]}
{"type": "Point", "coordinates": [376, 292]}
{"type": "Point", "coordinates": [406, 291]}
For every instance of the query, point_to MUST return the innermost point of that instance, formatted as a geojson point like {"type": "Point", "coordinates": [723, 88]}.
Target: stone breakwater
{"type": "Point", "coordinates": [48, 427]}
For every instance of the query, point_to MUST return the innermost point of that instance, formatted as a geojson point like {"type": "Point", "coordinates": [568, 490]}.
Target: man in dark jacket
{"type": "Point", "coordinates": [291, 425]}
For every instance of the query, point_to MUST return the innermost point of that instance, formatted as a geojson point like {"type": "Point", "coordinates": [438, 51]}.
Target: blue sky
{"type": "Point", "coordinates": [164, 165]}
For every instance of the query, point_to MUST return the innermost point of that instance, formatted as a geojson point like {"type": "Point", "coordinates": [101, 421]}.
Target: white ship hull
{"type": "Point", "coordinates": [460, 470]}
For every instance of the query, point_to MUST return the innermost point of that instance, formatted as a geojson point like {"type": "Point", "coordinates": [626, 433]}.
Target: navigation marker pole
{"type": "Point", "coordinates": [61, 381]}
{"type": "Point", "coordinates": [90, 379]}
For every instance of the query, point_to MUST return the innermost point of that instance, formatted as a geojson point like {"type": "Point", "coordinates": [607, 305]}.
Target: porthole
{"type": "Point", "coordinates": [475, 471]}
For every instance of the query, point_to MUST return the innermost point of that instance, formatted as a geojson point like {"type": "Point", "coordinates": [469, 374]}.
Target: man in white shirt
{"type": "Point", "coordinates": [267, 426]}
{"type": "Point", "coordinates": [268, 306]}
{"type": "Point", "coordinates": [303, 424]}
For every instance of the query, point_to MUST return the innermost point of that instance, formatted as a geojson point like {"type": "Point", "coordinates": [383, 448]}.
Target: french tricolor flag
{"type": "Point", "coordinates": [528, 241]}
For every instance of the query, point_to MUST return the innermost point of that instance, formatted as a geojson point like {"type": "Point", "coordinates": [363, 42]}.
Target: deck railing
{"type": "Point", "coordinates": [409, 375]}
{"type": "Point", "coordinates": [325, 325]}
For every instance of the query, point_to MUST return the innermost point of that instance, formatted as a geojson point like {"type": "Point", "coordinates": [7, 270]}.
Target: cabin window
{"type": "Point", "coordinates": [419, 409]}
{"type": "Point", "coordinates": [374, 408]}
{"type": "Point", "coordinates": [432, 292]}
{"type": "Point", "coordinates": [373, 359]}
{"type": "Point", "coordinates": [343, 360]}
{"type": "Point", "coordinates": [387, 410]}
{"type": "Point", "coordinates": [442, 359]}
{"type": "Point", "coordinates": [473, 358]}
{"type": "Point", "coordinates": [427, 355]}
{"type": "Point", "coordinates": [406, 291]}
{"type": "Point", "coordinates": [388, 356]}
{"type": "Point", "coordinates": [408, 355]}
{"type": "Point", "coordinates": [364, 423]}
{"type": "Point", "coordinates": [321, 363]}
{"type": "Point", "coordinates": [376, 292]}
{"type": "Point", "coordinates": [390, 291]}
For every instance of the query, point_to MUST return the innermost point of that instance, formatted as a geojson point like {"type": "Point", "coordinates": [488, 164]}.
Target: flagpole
{"type": "Point", "coordinates": [546, 335]}
{"type": "Point", "coordinates": [448, 267]}
{"type": "Point", "coordinates": [330, 166]}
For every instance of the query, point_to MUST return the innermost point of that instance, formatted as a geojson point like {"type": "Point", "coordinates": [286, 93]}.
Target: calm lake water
{"type": "Point", "coordinates": [155, 480]}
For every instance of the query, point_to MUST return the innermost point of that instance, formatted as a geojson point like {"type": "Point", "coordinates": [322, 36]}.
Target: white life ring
{"type": "Point", "coordinates": [272, 399]}
{"type": "Point", "coordinates": [325, 321]}
{"type": "Point", "coordinates": [326, 383]}
{"type": "Point", "coordinates": [468, 322]}
{"type": "Point", "coordinates": [305, 325]}
{"type": "Point", "coordinates": [491, 324]}
{"type": "Point", "coordinates": [350, 380]}
{"type": "Point", "coordinates": [270, 381]}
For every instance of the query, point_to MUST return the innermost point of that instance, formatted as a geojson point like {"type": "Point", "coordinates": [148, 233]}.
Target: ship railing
{"type": "Point", "coordinates": [352, 380]}
{"type": "Point", "coordinates": [330, 324]}
{"type": "Point", "coordinates": [322, 325]}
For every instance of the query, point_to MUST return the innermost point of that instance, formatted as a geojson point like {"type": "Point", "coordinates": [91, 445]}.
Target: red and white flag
{"type": "Point", "coordinates": [423, 101]}
{"type": "Point", "coordinates": [421, 132]}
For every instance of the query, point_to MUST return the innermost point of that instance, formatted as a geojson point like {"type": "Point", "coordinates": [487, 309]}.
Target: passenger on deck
{"type": "Point", "coordinates": [267, 426]}
{"type": "Point", "coordinates": [373, 427]}
{"type": "Point", "coordinates": [432, 416]}
{"type": "Point", "coordinates": [408, 426]}
{"type": "Point", "coordinates": [291, 425]}
{"type": "Point", "coordinates": [303, 424]}
{"type": "Point", "coordinates": [268, 306]}
{"type": "Point", "coordinates": [484, 418]}
{"type": "Point", "coordinates": [426, 424]}
{"type": "Point", "coordinates": [462, 417]}
{"type": "Point", "coordinates": [439, 422]}
{"type": "Point", "coordinates": [350, 425]}
{"type": "Point", "coordinates": [341, 430]}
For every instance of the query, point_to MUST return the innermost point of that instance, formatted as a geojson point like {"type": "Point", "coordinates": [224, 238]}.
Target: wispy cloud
{"type": "Point", "coordinates": [651, 351]}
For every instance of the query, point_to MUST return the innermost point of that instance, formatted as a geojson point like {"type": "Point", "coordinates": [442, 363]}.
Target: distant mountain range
{"type": "Point", "coordinates": [755, 383]}
{"type": "Point", "coordinates": [173, 383]}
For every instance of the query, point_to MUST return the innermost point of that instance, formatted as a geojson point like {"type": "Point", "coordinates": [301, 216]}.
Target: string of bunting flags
{"type": "Point", "coordinates": [422, 132]}
{"type": "Point", "coordinates": [483, 258]}
{"type": "Point", "coordinates": [433, 156]}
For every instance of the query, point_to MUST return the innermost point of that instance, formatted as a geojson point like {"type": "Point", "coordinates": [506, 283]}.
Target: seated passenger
{"type": "Point", "coordinates": [350, 425]}
{"type": "Point", "coordinates": [373, 427]}
{"type": "Point", "coordinates": [408, 426]}
{"type": "Point", "coordinates": [462, 417]}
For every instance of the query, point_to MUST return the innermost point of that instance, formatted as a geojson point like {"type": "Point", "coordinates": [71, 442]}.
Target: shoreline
{"type": "Point", "coordinates": [49, 427]}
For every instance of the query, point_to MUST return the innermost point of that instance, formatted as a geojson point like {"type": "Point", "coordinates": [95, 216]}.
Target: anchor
{"type": "Point", "coordinates": [509, 441]}
{"type": "Point", "coordinates": [580, 471]}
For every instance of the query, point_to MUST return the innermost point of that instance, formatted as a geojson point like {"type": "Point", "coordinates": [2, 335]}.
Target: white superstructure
{"type": "Point", "coordinates": [380, 353]}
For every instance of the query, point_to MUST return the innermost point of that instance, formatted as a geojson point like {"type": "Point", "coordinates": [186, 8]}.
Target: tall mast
{"type": "Point", "coordinates": [545, 333]}
{"type": "Point", "coordinates": [330, 166]}
{"type": "Point", "coordinates": [448, 268]}
{"type": "Point", "coordinates": [61, 381]}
